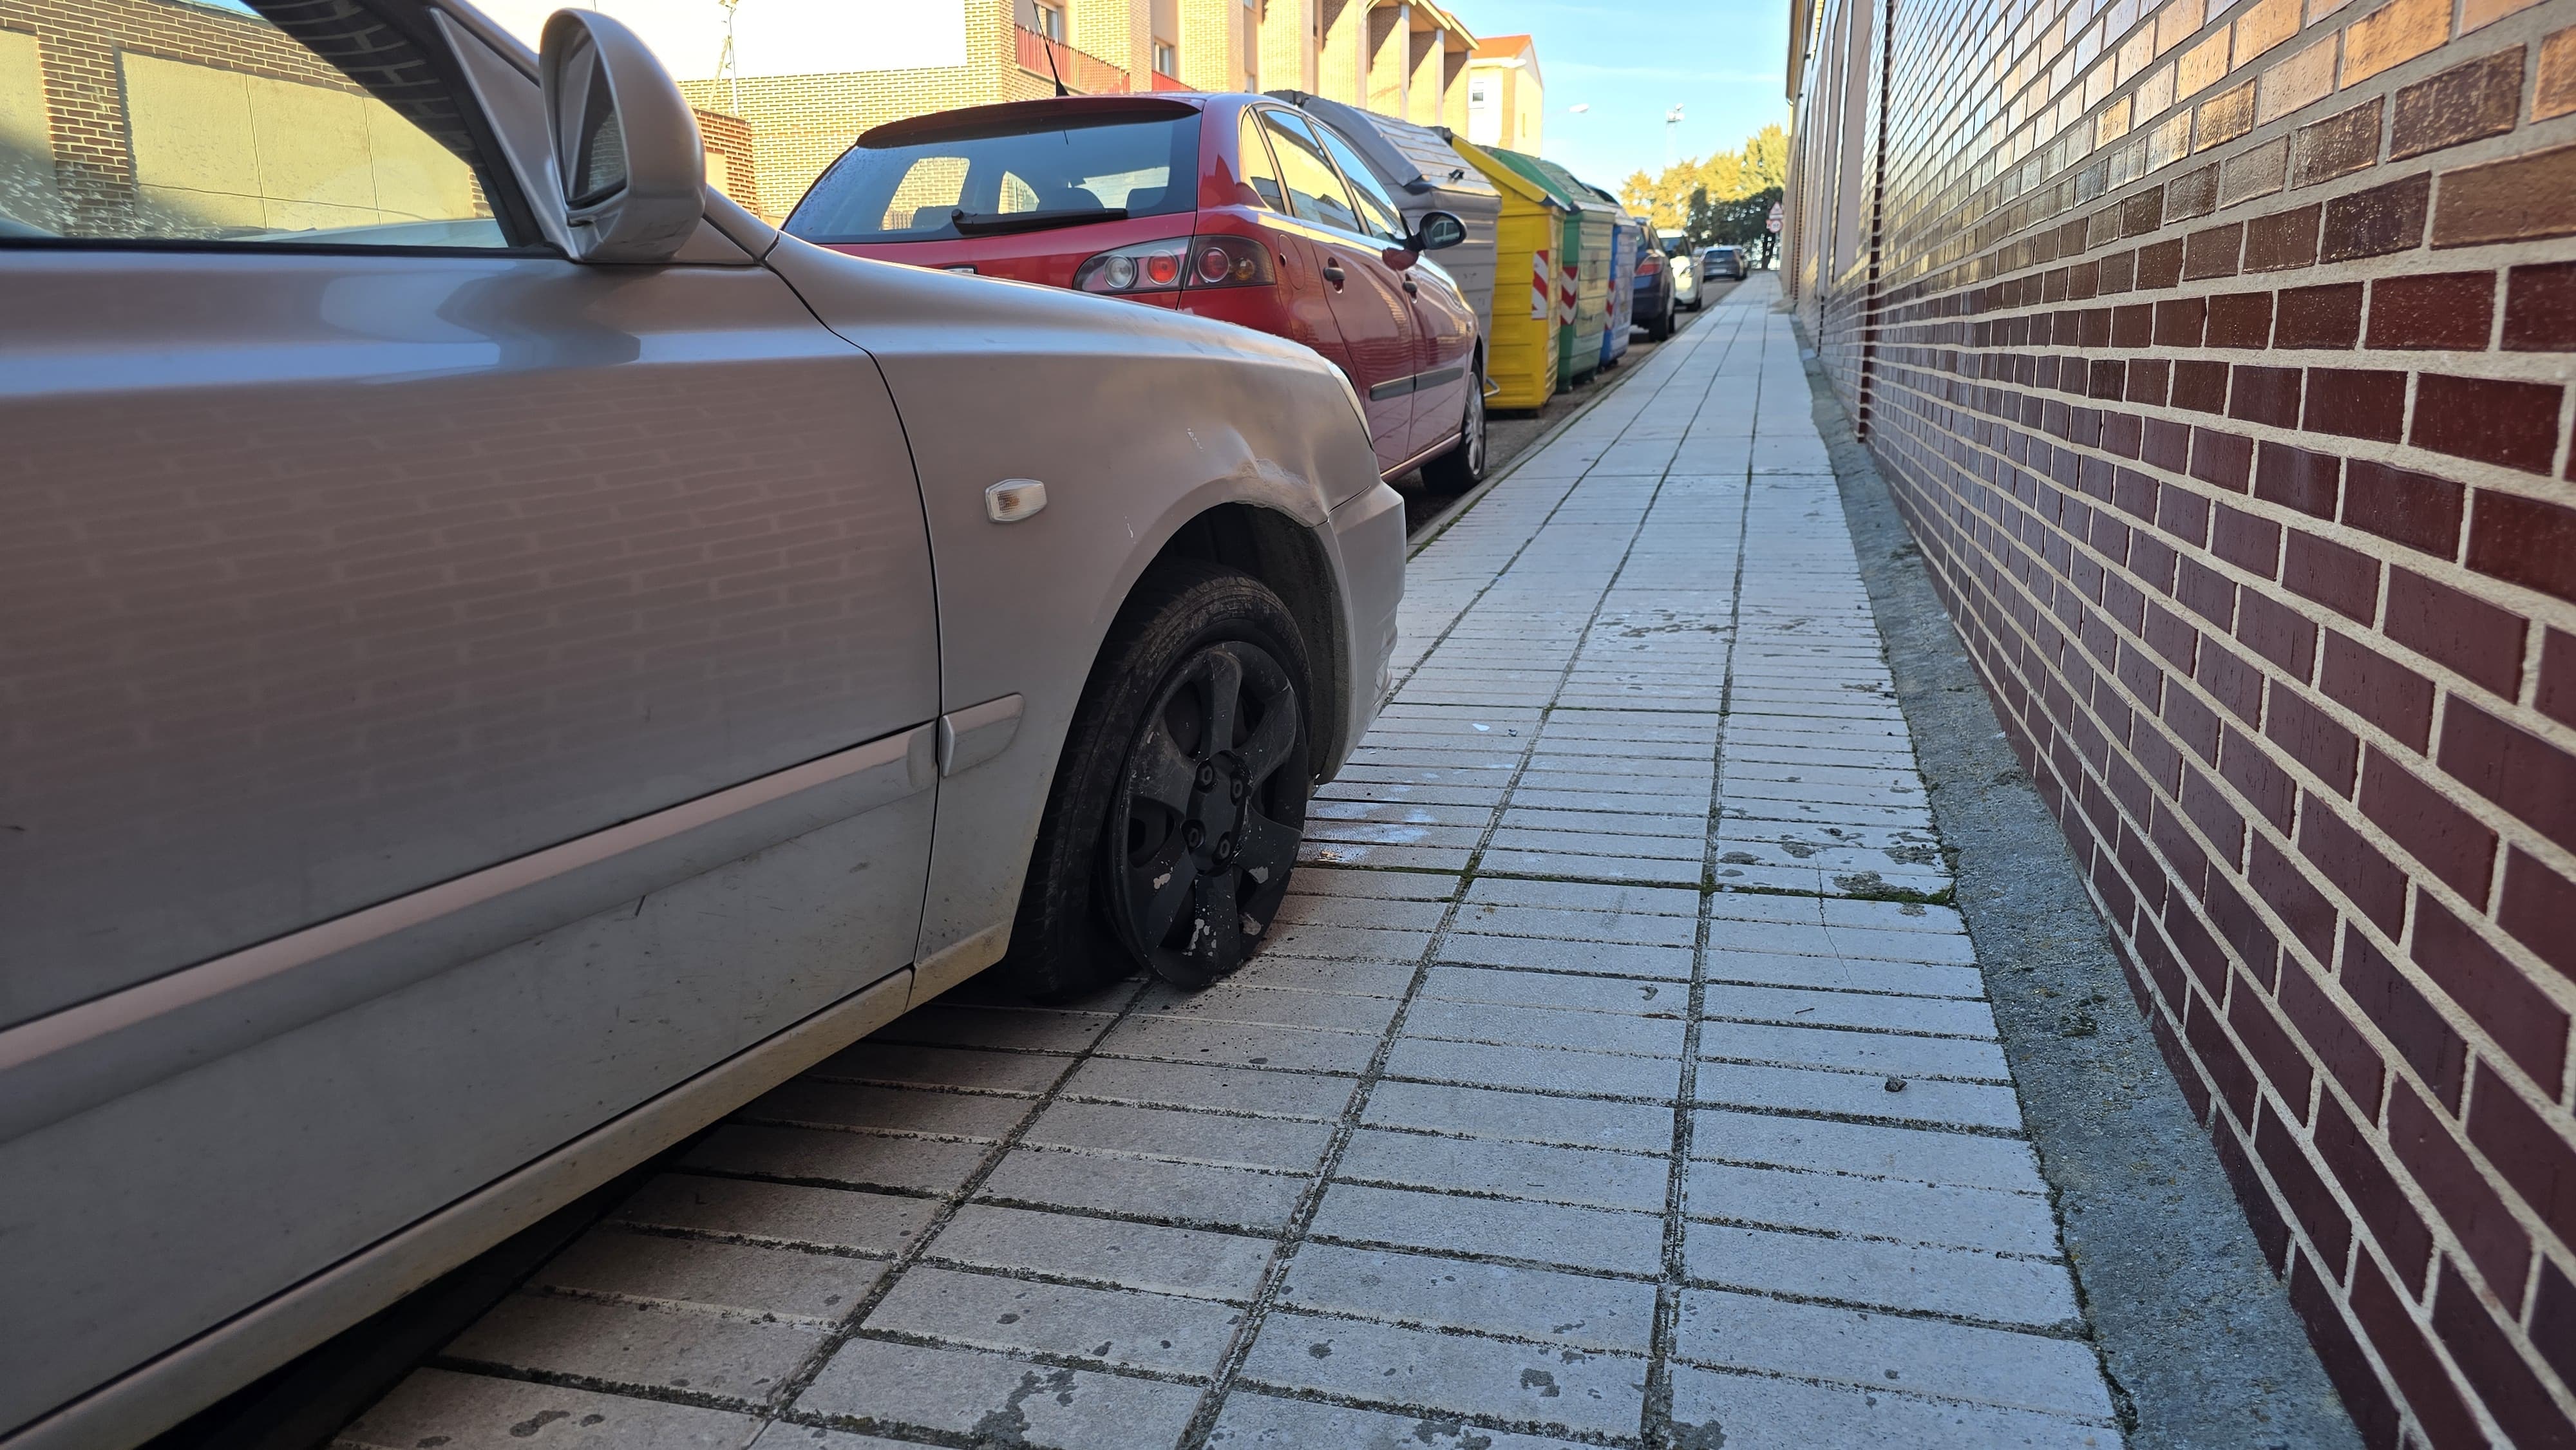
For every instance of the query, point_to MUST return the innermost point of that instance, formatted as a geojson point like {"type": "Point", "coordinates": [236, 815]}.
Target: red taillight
{"type": "Point", "coordinates": [1193, 262]}
{"type": "Point", "coordinates": [1649, 264]}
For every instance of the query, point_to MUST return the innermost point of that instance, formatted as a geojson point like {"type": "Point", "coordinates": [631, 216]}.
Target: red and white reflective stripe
{"type": "Point", "coordinates": [1538, 285]}
{"type": "Point", "coordinates": [1566, 295]}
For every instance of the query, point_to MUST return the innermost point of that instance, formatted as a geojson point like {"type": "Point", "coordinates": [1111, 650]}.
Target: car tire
{"type": "Point", "coordinates": [1662, 327]}
{"type": "Point", "coordinates": [1463, 467]}
{"type": "Point", "coordinates": [1142, 791]}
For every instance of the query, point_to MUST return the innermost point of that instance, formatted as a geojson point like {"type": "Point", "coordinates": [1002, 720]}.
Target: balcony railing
{"type": "Point", "coordinates": [1084, 73]}
{"type": "Point", "coordinates": [1163, 82]}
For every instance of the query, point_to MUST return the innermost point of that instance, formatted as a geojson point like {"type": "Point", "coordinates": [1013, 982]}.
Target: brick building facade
{"type": "Point", "coordinates": [2219, 357]}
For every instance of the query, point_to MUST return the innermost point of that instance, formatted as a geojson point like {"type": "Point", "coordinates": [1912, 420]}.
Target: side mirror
{"type": "Point", "coordinates": [1437, 231]}
{"type": "Point", "coordinates": [629, 165]}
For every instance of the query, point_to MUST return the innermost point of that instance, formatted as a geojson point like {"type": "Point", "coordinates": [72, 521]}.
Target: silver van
{"type": "Point", "coordinates": [504, 657]}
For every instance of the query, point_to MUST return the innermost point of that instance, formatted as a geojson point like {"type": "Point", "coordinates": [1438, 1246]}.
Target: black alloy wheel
{"type": "Point", "coordinates": [1200, 691]}
{"type": "Point", "coordinates": [1211, 805]}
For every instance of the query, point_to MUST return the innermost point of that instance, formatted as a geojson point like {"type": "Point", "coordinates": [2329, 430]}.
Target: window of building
{"type": "Point", "coordinates": [236, 129]}
{"type": "Point", "coordinates": [1167, 58]}
{"type": "Point", "coordinates": [1050, 23]}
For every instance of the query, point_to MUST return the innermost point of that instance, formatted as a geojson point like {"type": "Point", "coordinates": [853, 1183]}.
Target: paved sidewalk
{"type": "Point", "coordinates": [1607, 1082]}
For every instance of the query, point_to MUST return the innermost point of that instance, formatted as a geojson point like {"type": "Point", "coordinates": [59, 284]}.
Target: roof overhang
{"type": "Point", "coordinates": [1802, 16]}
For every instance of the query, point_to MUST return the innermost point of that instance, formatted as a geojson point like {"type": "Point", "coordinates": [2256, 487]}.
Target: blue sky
{"type": "Point", "coordinates": [1721, 61]}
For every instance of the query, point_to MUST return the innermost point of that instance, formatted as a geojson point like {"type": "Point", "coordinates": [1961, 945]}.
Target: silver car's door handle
{"type": "Point", "coordinates": [969, 737]}
{"type": "Point", "coordinates": [1333, 273]}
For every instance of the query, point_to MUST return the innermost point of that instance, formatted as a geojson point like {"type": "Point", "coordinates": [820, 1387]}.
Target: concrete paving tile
{"type": "Point", "coordinates": [1239, 1044]}
{"type": "Point", "coordinates": [1622, 995]}
{"type": "Point", "coordinates": [1544, 1305]}
{"type": "Point", "coordinates": [1354, 910]}
{"type": "Point", "coordinates": [1588, 1031]}
{"type": "Point", "coordinates": [1585, 1392]}
{"type": "Point", "coordinates": [1562, 924]}
{"type": "Point", "coordinates": [1779, 969]}
{"type": "Point", "coordinates": [1525, 840]}
{"type": "Point", "coordinates": [1758, 1413]}
{"type": "Point", "coordinates": [1690, 826]}
{"type": "Point", "coordinates": [1001, 1072]}
{"type": "Point", "coordinates": [1451, 859]}
{"type": "Point", "coordinates": [1222, 1089]}
{"type": "Point", "coordinates": [856, 1160]}
{"type": "Point", "coordinates": [790, 1283]}
{"type": "Point", "coordinates": [1893, 1054]}
{"type": "Point", "coordinates": [1651, 870]}
{"type": "Point", "coordinates": [1012, 1029]}
{"type": "Point", "coordinates": [1484, 794]}
{"type": "Point", "coordinates": [788, 1435]}
{"type": "Point", "coordinates": [1889, 1351]}
{"type": "Point", "coordinates": [1184, 1193]}
{"type": "Point", "coordinates": [1268, 999]}
{"type": "Point", "coordinates": [1394, 833]}
{"type": "Point", "coordinates": [1255, 1421]}
{"type": "Point", "coordinates": [1540, 1069]}
{"type": "Point", "coordinates": [1964, 1283]}
{"type": "Point", "coordinates": [1627, 959]}
{"type": "Point", "coordinates": [1534, 1171]}
{"type": "Point", "coordinates": [878, 1384]}
{"type": "Point", "coordinates": [1120, 1327]}
{"type": "Point", "coordinates": [1478, 1112]}
{"type": "Point", "coordinates": [1858, 1095]}
{"type": "Point", "coordinates": [1734, 934]}
{"type": "Point", "coordinates": [1330, 881]}
{"type": "Point", "coordinates": [482, 1412]}
{"type": "Point", "coordinates": [1926, 1155]}
{"type": "Point", "coordinates": [734, 1356]}
{"type": "Point", "coordinates": [1320, 974]}
{"type": "Point", "coordinates": [1585, 897]}
{"type": "Point", "coordinates": [1544, 1233]}
{"type": "Point", "coordinates": [1182, 1135]}
{"type": "Point", "coordinates": [783, 1213]}
{"type": "Point", "coordinates": [1190, 1262]}
{"type": "Point", "coordinates": [806, 1102]}
{"type": "Point", "coordinates": [1890, 1208]}
{"type": "Point", "coordinates": [1952, 1018]}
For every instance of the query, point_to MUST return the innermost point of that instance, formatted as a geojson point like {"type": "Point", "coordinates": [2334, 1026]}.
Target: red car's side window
{"type": "Point", "coordinates": [1260, 173]}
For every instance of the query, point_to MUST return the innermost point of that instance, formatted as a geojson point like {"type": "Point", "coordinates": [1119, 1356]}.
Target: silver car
{"type": "Point", "coordinates": [507, 657]}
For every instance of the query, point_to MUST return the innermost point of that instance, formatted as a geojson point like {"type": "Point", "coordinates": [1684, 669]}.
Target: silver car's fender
{"type": "Point", "coordinates": [1138, 420]}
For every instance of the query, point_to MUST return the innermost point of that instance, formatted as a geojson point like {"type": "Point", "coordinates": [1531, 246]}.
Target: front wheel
{"type": "Point", "coordinates": [1463, 467]}
{"type": "Point", "coordinates": [1180, 799]}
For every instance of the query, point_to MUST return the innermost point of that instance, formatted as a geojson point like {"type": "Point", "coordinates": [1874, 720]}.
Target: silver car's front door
{"type": "Point", "coordinates": [453, 694]}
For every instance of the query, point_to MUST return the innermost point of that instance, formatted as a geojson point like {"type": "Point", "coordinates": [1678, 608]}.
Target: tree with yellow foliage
{"type": "Point", "coordinates": [1761, 164]}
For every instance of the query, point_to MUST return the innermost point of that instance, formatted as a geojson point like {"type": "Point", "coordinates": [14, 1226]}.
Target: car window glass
{"type": "Point", "coordinates": [1259, 171]}
{"type": "Point", "coordinates": [905, 185]}
{"type": "Point", "coordinates": [208, 121]}
{"type": "Point", "coordinates": [1376, 208]}
{"type": "Point", "coordinates": [1314, 189]}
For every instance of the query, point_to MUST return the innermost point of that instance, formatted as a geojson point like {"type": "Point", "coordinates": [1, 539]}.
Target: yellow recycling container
{"type": "Point", "coordinates": [1583, 263]}
{"type": "Point", "coordinates": [1521, 351]}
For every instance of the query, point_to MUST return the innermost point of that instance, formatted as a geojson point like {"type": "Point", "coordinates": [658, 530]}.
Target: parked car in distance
{"type": "Point", "coordinates": [485, 708]}
{"type": "Point", "coordinates": [1686, 292]}
{"type": "Point", "coordinates": [1716, 262]}
{"type": "Point", "coordinates": [1652, 293]}
{"type": "Point", "coordinates": [1229, 206]}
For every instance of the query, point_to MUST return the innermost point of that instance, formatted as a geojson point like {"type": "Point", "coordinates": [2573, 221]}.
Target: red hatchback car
{"type": "Point", "coordinates": [1228, 206]}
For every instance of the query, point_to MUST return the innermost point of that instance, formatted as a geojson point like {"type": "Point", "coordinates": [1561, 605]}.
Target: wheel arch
{"type": "Point", "coordinates": [1286, 556]}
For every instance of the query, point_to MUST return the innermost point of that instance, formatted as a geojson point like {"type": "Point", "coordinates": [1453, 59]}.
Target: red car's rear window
{"type": "Point", "coordinates": [1002, 174]}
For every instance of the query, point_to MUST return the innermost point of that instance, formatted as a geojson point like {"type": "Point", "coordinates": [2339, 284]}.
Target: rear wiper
{"type": "Point", "coordinates": [969, 224]}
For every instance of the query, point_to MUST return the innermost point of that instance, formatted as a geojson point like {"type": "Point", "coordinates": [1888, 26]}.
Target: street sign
{"type": "Point", "coordinates": [1773, 224]}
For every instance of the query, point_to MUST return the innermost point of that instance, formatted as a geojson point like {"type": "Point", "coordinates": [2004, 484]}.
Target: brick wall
{"type": "Point", "coordinates": [2219, 358]}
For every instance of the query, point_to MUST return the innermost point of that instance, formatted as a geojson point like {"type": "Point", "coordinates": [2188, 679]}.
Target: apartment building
{"type": "Point", "coordinates": [804, 77]}
{"type": "Point", "coordinates": [2220, 355]}
{"type": "Point", "coordinates": [1506, 100]}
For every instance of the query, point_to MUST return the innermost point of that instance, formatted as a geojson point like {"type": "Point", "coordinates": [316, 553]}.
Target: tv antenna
{"type": "Point", "coordinates": [1046, 44]}
{"type": "Point", "coordinates": [725, 66]}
